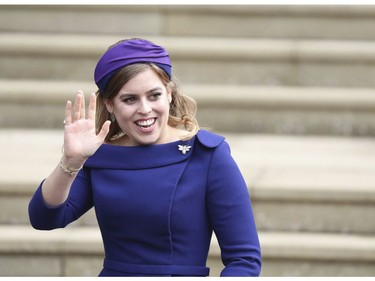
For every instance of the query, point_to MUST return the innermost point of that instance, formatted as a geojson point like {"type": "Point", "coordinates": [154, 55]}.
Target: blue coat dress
{"type": "Point", "coordinates": [157, 206]}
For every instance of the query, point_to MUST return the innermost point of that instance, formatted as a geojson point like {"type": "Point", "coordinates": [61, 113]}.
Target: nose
{"type": "Point", "coordinates": [144, 108]}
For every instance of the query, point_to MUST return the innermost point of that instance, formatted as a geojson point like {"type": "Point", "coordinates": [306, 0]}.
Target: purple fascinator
{"type": "Point", "coordinates": [128, 52]}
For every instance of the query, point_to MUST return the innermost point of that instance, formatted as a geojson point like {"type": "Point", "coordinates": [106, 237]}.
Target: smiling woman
{"type": "Point", "coordinates": [141, 110]}
{"type": "Point", "coordinates": [140, 88]}
{"type": "Point", "coordinates": [159, 185]}
{"type": "Point", "coordinates": [113, 86]}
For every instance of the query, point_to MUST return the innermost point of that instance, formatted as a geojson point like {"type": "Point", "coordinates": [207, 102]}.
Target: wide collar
{"type": "Point", "coordinates": [150, 156]}
{"type": "Point", "coordinates": [138, 157]}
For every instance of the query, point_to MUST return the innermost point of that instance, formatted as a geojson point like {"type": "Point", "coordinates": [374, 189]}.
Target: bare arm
{"type": "Point", "coordinates": [80, 142]}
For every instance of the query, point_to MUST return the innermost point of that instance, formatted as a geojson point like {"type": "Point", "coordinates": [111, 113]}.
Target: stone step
{"type": "Point", "coordinates": [320, 184]}
{"type": "Point", "coordinates": [258, 21]}
{"type": "Point", "coordinates": [305, 184]}
{"type": "Point", "coordinates": [244, 109]}
{"type": "Point", "coordinates": [79, 252]}
{"type": "Point", "coordinates": [211, 60]}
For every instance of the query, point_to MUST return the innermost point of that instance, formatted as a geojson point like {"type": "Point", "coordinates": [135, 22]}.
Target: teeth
{"type": "Point", "coordinates": [146, 123]}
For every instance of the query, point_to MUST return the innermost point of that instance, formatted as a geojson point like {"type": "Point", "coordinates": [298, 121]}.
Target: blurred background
{"type": "Point", "coordinates": [291, 87]}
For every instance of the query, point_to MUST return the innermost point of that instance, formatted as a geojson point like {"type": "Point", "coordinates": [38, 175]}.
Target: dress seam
{"type": "Point", "coordinates": [172, 200]}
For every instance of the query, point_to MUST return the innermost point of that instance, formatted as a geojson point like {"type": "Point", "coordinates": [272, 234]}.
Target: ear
{"type": "Point", "coordinates": [169, 94]}
{"type": "Point", "coordinates": [109, 105]}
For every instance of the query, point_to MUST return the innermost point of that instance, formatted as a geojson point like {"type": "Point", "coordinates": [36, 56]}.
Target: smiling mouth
{"type": "Point", "coordinates": [146, 123]}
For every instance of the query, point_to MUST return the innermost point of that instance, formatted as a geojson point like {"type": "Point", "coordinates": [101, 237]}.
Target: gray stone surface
{"type": "Point", "coordinates": [78, 251]}
{"type": "Point", "coordinates": [245, 109]}
{"type": "Point", "coordinates": [243, 61]}
{"type": "Point", "coordinates": [20, 265]}
{"type": "Point", "coordinates": [262, 21]}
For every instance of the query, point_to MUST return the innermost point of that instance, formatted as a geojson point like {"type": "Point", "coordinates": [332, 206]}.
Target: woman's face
{"type": "Point", "coordinates": [141, 109]}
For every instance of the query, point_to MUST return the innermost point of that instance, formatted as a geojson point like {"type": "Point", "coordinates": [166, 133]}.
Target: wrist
{"type": "Point", "coordinates": [71, 165]}
{"type": "Point", "coordinates": [72, 171]}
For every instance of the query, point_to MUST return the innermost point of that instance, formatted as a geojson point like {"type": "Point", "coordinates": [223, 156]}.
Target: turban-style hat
{"type": "Point", "coordinates": [128, 52]}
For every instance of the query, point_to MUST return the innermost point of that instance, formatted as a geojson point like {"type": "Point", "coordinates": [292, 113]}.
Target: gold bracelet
{"type": "Point", "coordinates": [69, 170]}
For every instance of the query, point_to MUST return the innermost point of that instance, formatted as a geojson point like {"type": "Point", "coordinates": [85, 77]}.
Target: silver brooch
{"type": "Point", "coordinates": [184, 148]}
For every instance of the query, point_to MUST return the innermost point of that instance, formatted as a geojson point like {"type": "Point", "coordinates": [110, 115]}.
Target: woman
{"type": "Point", "coordinates": [159, 185]}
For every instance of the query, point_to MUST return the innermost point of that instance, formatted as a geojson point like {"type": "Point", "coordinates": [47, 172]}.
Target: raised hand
{"type": "Point", "coordinates": [80, 138]}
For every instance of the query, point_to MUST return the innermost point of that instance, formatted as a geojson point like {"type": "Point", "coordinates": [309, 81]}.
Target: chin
{"type": "Point", "coordinates": [153, 136]}
{"type": "Point", "coordinates": [146, 140]}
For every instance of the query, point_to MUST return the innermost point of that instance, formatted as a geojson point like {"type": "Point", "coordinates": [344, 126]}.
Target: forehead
{"type": "Point", "coordinates": [143, 82]}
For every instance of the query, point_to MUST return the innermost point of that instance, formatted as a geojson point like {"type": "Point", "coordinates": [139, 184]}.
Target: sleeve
{"type": "Point", "coordinates": [79, 201]}
{"type": "Point", "coordinates": [231, 216]}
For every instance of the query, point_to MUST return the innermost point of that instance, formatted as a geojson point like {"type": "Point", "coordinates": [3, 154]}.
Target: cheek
{"type": "Point", "coordinates": [162, 106]}
{"type": "Point", "coordinates": [124, 112]}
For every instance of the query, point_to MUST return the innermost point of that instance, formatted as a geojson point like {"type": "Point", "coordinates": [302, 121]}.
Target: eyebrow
{"type": "Point", "coordinates": [148, 92]}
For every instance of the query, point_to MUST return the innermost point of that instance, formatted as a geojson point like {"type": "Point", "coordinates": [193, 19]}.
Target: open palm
{"type": "Point", "coordinates": [80, 138]}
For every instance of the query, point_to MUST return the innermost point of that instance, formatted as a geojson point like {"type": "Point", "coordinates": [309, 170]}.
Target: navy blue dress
{"type": "Point", "coordinates": [157, 206]}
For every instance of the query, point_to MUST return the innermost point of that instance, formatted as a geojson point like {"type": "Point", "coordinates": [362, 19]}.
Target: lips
{"type": "Point", "coordinates": [145, 123]}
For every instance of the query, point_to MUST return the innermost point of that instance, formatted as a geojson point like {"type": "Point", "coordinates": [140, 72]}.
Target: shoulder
{"type": "Point", "coordinates": [209, 139]}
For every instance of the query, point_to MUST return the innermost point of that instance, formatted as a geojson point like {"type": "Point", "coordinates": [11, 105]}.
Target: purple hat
{"type": "Point", "coordinates": [129, 52]}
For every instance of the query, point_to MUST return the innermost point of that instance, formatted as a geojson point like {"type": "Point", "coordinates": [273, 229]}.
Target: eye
{"type": "Point", "coordinates": [130, 100]}
{"type": "Point", "coordinates": [155, 96]}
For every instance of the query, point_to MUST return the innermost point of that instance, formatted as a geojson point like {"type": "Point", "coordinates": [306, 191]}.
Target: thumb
{"type": "Point", "coordinates": [104, 130]}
